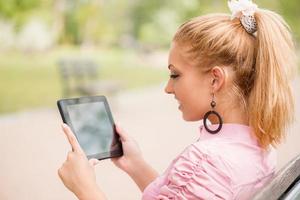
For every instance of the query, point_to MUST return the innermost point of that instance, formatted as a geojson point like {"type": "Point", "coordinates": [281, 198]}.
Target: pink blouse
{"type": "Point", "coordinates": [226, 165]}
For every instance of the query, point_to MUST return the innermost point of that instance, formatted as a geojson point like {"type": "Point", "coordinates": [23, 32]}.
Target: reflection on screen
{"type": "Point", "coordinates": [92, 127]}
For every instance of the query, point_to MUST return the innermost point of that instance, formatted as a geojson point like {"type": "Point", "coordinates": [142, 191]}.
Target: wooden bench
{"type": "Point", "coordinates": [285, 185]}
{"type": "Point", "coordinates": [81, 77]}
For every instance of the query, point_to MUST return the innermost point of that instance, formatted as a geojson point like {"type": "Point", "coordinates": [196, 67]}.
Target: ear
{"type": "Point", "coordinates": [218, 78]}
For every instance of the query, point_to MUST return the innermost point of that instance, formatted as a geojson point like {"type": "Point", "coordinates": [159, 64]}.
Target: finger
{"type": "Point", "coordinates": [114, 160]}
{"type": "Point", "coordinates": [72, 139]}
{"type": "Point", "coordinates": [123, 135]}
{"type": "Point", "coordinates": [60, 173]}
{"type": "Point", "coordinates": [93, 161]}
{"type": "Point", "coordinates": [70, 155]}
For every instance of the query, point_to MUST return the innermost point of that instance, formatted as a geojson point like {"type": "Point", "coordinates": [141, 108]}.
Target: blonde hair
{"type": "Point", "coordinates": [263, 65]}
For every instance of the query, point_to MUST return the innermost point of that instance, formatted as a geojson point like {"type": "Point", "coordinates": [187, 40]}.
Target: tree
{"type": "Point", "coordinates": [17, 10]}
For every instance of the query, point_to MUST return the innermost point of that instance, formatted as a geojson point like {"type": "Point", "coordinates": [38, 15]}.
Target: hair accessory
{"type": "Point", "coordinates": [244, 10]}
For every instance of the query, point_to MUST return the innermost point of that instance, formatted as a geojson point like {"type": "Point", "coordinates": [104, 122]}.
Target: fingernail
{"type": "Point", "coordinates": [64, 125]}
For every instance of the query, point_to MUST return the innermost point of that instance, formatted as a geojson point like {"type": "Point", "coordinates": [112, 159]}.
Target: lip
{"type": "Point", "coordinates": [179, 106]}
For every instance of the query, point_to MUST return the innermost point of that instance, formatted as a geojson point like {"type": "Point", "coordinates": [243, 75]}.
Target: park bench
{"type": "Point", "coordinates": [81, 77]}
{"type": "Point", "coordinates": [285, 185]}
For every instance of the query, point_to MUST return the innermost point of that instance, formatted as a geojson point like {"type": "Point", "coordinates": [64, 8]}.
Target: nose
{"type": "Point", "coordinates": [169, 88]}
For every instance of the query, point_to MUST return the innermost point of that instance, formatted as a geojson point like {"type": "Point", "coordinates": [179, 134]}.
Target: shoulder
{"type": "Point", "coordinates": [212, 169]}
{"type": "Point", "coordinates": [197, 173]}
{"type": "Point", "coordinates": [243, 163]}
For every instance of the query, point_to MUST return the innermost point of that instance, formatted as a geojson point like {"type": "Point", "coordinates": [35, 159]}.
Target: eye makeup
{"type": "Point", "coordinates": [173, 76]}
{"type": "Point", "coordinates": [173, 72]}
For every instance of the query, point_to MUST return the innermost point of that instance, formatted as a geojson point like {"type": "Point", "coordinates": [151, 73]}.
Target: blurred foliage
{"type": "Point", "coordinates": [12, 8]}
{"type": "Point", "coordinates": [110, 22]}
{"type": "Point", "coordinates": [18, 10]}
{"type": "Point", "coordinates": [290, 10]}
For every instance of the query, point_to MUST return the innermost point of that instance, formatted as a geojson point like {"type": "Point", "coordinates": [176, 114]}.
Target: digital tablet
{"type": "Point", "coordinates": [91, 121]}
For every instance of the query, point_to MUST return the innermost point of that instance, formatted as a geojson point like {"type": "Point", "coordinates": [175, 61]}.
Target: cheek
{"type": "Point", "coordinates": [198, 103]}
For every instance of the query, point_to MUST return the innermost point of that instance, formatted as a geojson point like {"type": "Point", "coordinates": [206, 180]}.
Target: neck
{"type": "Point", "coordinates": [236, 116]}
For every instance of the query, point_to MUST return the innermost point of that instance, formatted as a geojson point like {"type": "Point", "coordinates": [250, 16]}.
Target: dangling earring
{"type": "Point", "coordinates": [212, 111]}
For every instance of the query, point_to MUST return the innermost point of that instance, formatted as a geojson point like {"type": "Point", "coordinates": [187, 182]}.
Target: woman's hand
{"type": "Point", "coordinates": [131, 153]}
{"type": "Point", "coordinates": [132, 162]}
{"type": "Point", "coordinates": [77, 172]}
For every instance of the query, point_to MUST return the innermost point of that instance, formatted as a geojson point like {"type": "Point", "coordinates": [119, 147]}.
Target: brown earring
{"type": "Point", "coordinates": [212, 112]}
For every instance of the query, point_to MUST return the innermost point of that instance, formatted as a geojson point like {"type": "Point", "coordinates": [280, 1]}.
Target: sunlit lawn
{"type": "Point", "coordinates": [33, 80]}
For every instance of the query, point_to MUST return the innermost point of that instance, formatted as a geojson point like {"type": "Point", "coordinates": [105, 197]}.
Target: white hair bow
{"type": "Point", "coordinates": [244, 10]}
{"type": "Point", "coordinates": [241, 7]}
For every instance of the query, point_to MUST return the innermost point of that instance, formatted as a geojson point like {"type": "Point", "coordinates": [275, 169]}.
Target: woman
{"type": "Point", "coordinates": [233, 71]}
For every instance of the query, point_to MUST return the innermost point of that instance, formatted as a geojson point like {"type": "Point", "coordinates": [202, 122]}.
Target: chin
{"type": "Point", "coordinates": [190, 118]}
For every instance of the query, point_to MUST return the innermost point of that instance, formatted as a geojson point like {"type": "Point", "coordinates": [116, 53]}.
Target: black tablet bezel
{"type": "Point", "coordinates": [62, 107]}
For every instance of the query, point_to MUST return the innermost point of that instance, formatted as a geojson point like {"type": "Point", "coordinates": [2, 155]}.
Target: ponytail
{"type": "Point", "coordinates": [271, 104]}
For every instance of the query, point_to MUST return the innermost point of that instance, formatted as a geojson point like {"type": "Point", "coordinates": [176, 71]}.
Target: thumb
{"type": "Point", "coordinates": [123, 135]}
{"type": "Point", "coordinates": [93, 162]}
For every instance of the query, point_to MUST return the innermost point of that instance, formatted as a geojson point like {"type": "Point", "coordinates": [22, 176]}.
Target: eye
{"type": "Point", "coordinates": [173, 76]}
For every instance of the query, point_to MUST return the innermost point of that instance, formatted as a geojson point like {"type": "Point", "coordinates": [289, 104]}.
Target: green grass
{"type": "Point", "coordinates": [32, 80]}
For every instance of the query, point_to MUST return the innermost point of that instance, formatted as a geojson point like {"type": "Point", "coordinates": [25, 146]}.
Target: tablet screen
{"type": "Point", "coordinates": [92, 123]}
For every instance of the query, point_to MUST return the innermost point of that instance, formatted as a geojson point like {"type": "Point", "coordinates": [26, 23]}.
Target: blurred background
{"type": "Point", "coordinates": [52, 49]}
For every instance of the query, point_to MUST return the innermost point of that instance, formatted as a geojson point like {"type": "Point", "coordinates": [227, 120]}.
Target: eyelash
{"type": "Point", "coordinates": [173, 76]}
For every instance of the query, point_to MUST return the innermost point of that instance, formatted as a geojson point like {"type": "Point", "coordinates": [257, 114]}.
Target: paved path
{"type": "Point", "coordinates": [32, 146]}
